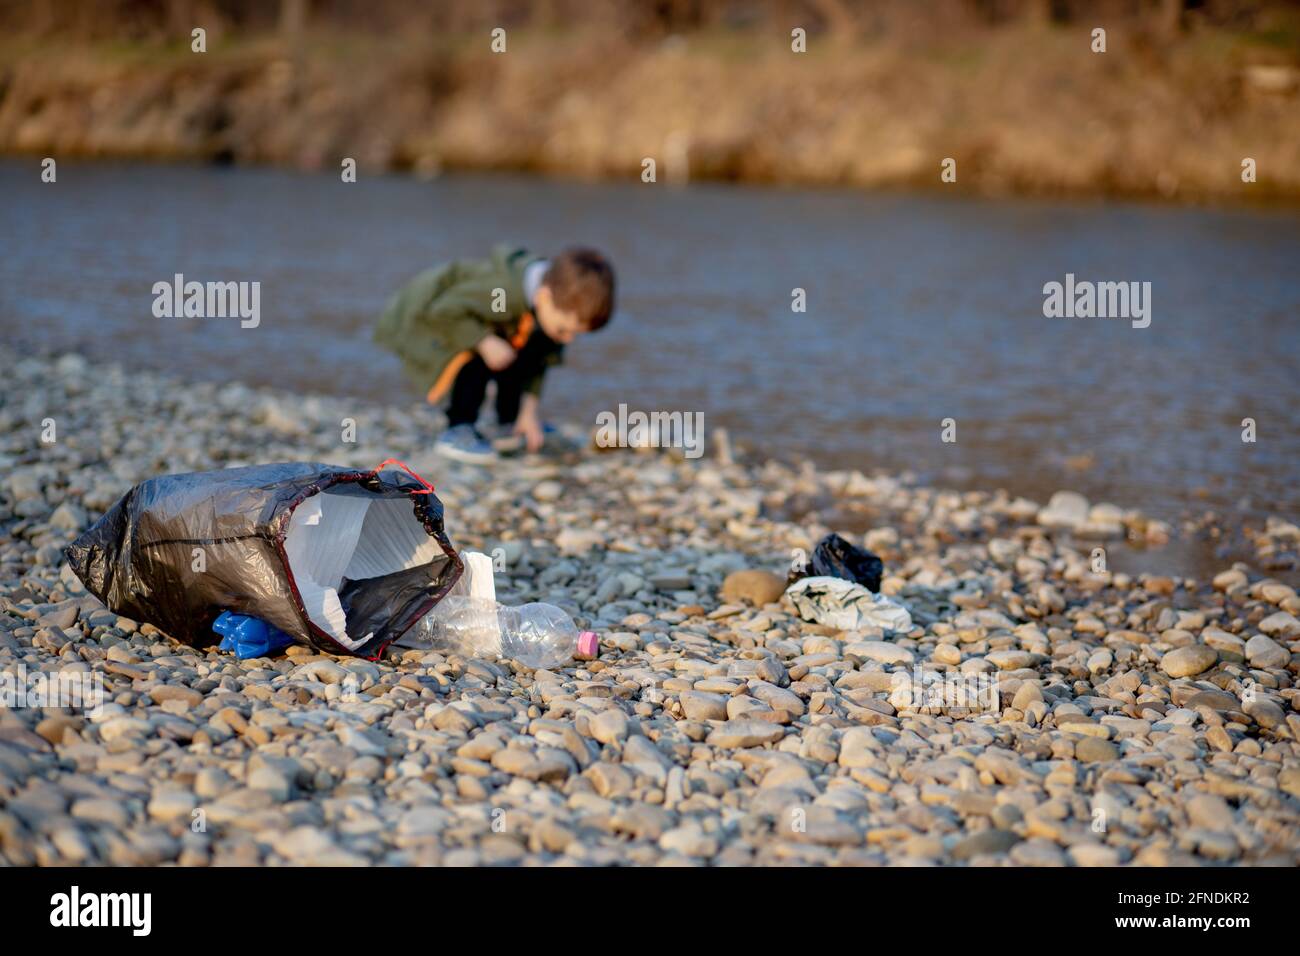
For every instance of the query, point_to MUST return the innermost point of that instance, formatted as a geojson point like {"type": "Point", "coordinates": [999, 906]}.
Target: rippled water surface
{"type": "Point", "coordinates": [918, 309]}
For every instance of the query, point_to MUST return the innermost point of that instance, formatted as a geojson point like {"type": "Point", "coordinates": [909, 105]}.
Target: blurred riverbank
{"type": "Point", "coordinates": [1023, 107]}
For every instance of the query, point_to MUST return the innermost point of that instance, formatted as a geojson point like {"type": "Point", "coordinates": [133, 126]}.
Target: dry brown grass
{"type": "Point", "coordinates": [1022, 109]}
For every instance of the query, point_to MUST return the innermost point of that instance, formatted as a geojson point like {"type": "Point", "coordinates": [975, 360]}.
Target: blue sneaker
{"type": "Point", "coordinates": [465, 443]}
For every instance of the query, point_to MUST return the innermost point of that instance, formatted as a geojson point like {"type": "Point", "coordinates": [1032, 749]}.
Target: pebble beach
{"type": "Point", "coordinates": [1147, 720]}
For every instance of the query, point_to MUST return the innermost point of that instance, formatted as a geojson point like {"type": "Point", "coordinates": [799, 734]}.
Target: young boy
{"type": "Point", "coordinates": [504, 319]}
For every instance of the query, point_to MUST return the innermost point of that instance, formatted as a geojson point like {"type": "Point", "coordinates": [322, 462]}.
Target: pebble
{"type": "Point", "coordinates": [858, 748]}
{"type": "Point", "coordinates": [302, 843]}
{"type": "Point", "coordinates": [60, 615]}
{"type": "Point", "coordinates": [1232, 578]}
{"type": "Point", "coordinates": [1223, 642]}
{"type": "Point", "coordinates": [548, 490]}
{"type": "Point", "coordinates": [1010, 660]}
{"type": "Point", "coordinates": [647, 759]}
{"type": "Point", "coordinates": [72, 845]}
{"type": "Point", "coordinates": [171, 805]}
{"type": "Point", "coordinates": [120, 727]}
{"type": "Point", "coordinates": [609, 726]}
{"type": "Point", "coordinates": [1065, 509]}
{"type": "Point", "coordinates": [68, 517]}
{"type": "Point", "coordinates": [272, 781]}
{"type": "Point", "coordinates": [984, 843]}
{"type": "Point", "coordinates": [671, 579]}
{"type": "Point", "coordinates": [24, 484]}
{"type": "Point", "coordinates": [1210, 811]}
{"type": "Point", "coordinates": [175, 692]}
{"type": "Point", "coordinates": [880, 651]}
{"type": "Point", "coordinates": [366, 744]}
{"type": "Point", "coordinates": [322, 671]}
{"type": "Point", "coordinates": [777, 698]}
{"type": "Point", "coordinates": [1264, 712]}
{"type": "Point", "coordinates": [102, 810]}
{"type": "Point", "coordinates": [54, 728]}
{"type": "Point", "coordinates": [753, 586]}
{"type": "Point", "coordinates": [1095, 750]}
{"type": "Point", "coordinates": [211, 782]}
{"type": "Point", "coordinates": [1288, 780]}
{"type": "Point", "coordinates": [1094, 854]}
{"type": "Point", "coordinates": [1266, 653]}
{"type": "Point", "coordinates": [1188, 661]}
{"type": "Point", "coordinates": [1099, 662]}
{"type": "Point", "coordinates": [1027, 693]}
{"type": "Point", "coordinates": [745, 733]}
{"type": "Point", "coordinates": [689, 840]}
{"type": "Point", "coordinates": [698, 705]}
{"type": "Point", "coordinates": [1280, 623]}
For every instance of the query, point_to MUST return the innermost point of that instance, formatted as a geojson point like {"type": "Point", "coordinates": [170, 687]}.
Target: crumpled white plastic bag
{"type": "Point", "coordinates": [846, 606]}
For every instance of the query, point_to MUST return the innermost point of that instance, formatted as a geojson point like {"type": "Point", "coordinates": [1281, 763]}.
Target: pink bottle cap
{"type": "Point", "coordinates": [588, 644]}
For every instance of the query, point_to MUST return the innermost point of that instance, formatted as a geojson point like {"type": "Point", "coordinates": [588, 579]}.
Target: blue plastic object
{"type": "Point", "coordinates": [248, 636]}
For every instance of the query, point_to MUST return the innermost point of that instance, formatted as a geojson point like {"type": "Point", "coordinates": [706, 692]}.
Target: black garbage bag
{"type": "Point", "coordinates": [836, 558]}
{"type": "Point", "coordinates": [340, 559]}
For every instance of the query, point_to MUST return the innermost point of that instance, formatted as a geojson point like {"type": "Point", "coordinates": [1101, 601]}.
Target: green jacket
{"type": "Point", "coordinates": [436, 320]}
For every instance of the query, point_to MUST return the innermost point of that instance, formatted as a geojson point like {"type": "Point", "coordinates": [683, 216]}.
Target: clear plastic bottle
{"type": "Point", "coordinates": [536, 635]}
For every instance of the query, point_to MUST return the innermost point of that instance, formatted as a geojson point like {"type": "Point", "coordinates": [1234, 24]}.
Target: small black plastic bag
{"type": "Point", "coordinates": [836, 558]}
{"type": "Point", "coordinates": [341, 559]}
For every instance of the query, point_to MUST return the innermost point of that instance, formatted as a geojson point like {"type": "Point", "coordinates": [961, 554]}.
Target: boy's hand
{"type": "Point", "coordinates": [496, 352]}
{"type": "Point", "coordinates": [529, 424]}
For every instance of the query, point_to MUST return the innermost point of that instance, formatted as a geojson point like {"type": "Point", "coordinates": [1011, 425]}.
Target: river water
{"type": "Point", "coordinates": [918, 309]}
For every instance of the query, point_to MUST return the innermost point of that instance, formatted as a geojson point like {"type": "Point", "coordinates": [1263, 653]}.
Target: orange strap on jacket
{"type": "Point", "coordinates": [525, 329]}
{"type": "Point", "coordinates": [448, 375]}
{"type": "Point", "coordinates": [449, 371]}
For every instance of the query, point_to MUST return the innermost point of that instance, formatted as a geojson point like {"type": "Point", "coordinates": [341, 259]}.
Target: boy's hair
{"type": "Point", "coordinates": [582, 281]}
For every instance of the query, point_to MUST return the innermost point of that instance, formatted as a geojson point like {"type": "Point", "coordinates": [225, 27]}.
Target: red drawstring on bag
{"type": "Point", "coordinates": [402, 465]}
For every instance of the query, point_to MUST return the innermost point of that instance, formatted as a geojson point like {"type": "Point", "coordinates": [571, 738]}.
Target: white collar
{"type": "Point", "coordinates": [533, 275]}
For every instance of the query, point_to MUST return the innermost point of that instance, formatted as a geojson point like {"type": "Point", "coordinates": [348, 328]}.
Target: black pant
{"type": "Point", "coordinates": [470, 387]}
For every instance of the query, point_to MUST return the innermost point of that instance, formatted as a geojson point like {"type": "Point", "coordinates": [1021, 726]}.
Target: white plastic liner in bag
{"type": "Point", "coordinates": [336, 536]}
